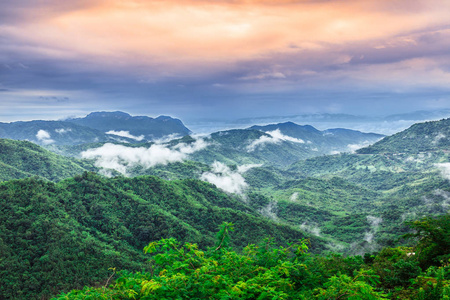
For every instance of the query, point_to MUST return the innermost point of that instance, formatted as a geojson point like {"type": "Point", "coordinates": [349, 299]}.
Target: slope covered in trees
{"type": "Point", "coordinates": [420, 137]}
{"type": "Point", "coordinates": [52, 132]}
{"type": "Point", "coordinates": [265, 271]}
{"type": "Point", "coordinates": [150, 128]}
{"type": "Point", "coordinates": [20, 159]}
{"type": "Point", "coordinates": [58, 236]}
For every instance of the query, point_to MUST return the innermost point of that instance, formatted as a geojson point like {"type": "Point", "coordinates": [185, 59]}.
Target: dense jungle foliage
{"type": "Point", "coordinates": [59, 236]}
{"type": "Point", "coordinates": [266, 271]}
{"type": "Point", "coordinates": [21, 159]}
{"type": "Point", "coordinates": [333, 223]}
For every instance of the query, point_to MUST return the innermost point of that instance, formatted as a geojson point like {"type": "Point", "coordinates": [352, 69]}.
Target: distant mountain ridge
{"type": "Point", "coordinates": [150, 128]}
{"type": "Point", "coordinates": [326, 141]}
{"type": "Point", "coordinates": [21, 159]}
{"type": "Point", "coordinates": [421, 137]}
{"type": "Point", "coordinates": [52, 132]}
{"type": "Point", "coordinates": [421, 115]}
{"type": "Point", "coordinates": [95, 127]}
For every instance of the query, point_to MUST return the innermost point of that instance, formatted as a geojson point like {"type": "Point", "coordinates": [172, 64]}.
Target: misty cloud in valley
{"type": "Point", "coordinates": [121, 158]}
{"type": "Point", "coordinates": [225, 178]}
{"type": "Point", "coordinates": [275, 137]}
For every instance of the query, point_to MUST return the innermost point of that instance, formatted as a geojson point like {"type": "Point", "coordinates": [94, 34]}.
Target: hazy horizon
{"type": "Point", "coordinates": [387, 125]}
{"type": "Point", "coordinates": [223, 60]}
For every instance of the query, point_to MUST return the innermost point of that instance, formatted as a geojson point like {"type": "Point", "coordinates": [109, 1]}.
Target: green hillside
{"type": "Point", "coordinates": [268, 271]}
{"type": "Point", "coordinates": [420, 137]}
{"type": "Point", "coordinates": [20, 159]}
{"type": "Point", "coordinates": [59, 236]}
{"type": "Point", "coordinates": [326, 141]}
{"type": "Point", "coordinates": [52, 133]}
{"type": "Point", "coordinates": [150, 128]}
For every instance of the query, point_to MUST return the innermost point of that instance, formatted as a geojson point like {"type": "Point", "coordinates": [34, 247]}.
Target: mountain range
{"type": "Point", "coordinates": [95, 127]}
{"type": "Point", "coordinates": [66, 225]}
{"type": "Point", "coordinates": [139, 127]}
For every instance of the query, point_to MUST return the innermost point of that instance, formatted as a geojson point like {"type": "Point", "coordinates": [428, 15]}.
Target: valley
{"type": "Point", "coordinates": [85, 200]}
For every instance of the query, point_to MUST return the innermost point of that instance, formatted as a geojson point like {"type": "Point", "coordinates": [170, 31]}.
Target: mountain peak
{"type": "Point", "coordinates": [286, 126]}
{"type": "Point", "coordinates": [133, 125]}
{"type": "Point", "coordinates": [108, 114]}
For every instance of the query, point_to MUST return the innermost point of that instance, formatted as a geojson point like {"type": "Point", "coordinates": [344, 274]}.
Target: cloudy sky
{"type": "Point", "coordinates": [226, 59]}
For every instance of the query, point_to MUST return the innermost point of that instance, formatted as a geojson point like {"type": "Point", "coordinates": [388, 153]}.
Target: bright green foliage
{"type": "Point", "coordinates": [421, 137]}
{"type": "Point", "coordinates": [182, 271]}
{"type": "Point", "coordinates": [345, 287]}
{"type": "Point", "coordinates": [433, 235]}
{"type": "Point", "coordinates": [265, 271]}
{"type": "Point", "coordinates": [58, 236]}
{"type": "Point", "coordinates": [20, 159]}
{"type": "Point", "coordinates": [223, 236]}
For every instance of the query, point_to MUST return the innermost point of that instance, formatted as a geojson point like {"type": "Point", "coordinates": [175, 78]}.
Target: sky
{"type": "Point", "coordinates": [223, 59]}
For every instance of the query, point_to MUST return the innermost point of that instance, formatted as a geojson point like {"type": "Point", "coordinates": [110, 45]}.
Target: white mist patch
{"type": "Point", "coordinates": [62, 130]}
{"type": "Point", "coordinates": [192, 147]}
{"type": "Point", "coordinates": [120, 158]}
{"type": "Point", "coordinates": [411, 159]}
{"type": "Point", "coordinates": [374, 223]}
{"type": "Point", "coordinates": [445, 169]}
{"type": "Point", "coordinates": [167, 138]}
{"type": "Point", "coordinates": [353, 147]}
{"type": "Point", "coordinates": [408, 216]}
{"type": "Point", "coordinates": [270, 211]}
{"type": "Point", "coordinates": [275, 137]}
{"type": "Point", "coordinates": [226, 179]}
{"type": "Point", "coordinates": [446, 198]}
{"type": "Point", "coordinates": [126, 134]}
{"type": "Point", "coordinates": [311, 228]}
{"type": "Point", "coordinates": [438, 137]}
{"type": "Point", "coordinates": [44, 137]}
{"type": "Point", "coordinates": [294, 197]}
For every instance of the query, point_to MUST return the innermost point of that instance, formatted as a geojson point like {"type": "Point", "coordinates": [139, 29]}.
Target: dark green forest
{"type": "Point", "coordinates": [367, 225]}
{"type": "Point", "coordinates": [267, 271]}
{"type": "Point", "coordinates": [58, 236]}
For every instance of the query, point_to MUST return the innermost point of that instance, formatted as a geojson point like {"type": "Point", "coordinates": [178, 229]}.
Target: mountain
{"type": "Point", "coordinates": [232, 147]}
{"type": "Point", "coordinates": [20, 159]}
{"type": "Point", "coordinates": [59, 236]}
{"type": "Point", "coordinates": [305, 118]}
{"type": "Point", "coordinates": [278, 144]}
{"type": "Point", "coordinates": [324, 142]}
{"type": "Point", "coordinates": [137, 127]}
{"type": "Point", "coordinates": [97, 127]}
{"type": "Point", "coordinates": [421, 137]}
{"type": "Point", "coordinates": [52, 133]}
{"type": "Point", "coordinates": [420, 115]}
{"type": "Point", "coordinates": [247, 146]}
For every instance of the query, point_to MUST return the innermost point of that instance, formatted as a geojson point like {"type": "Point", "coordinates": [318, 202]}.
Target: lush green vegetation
{"type": "Point", "coordinates": [20, 159]}
{"type": "Point", "coordinates": [59, 236]}
{"type": "Point", "coordinates": [325, 141]}
{"type": "Point", "coordinates": [421, 137]}
{"type": "Point", "coordinates": [265, 271]}
{"type": "Point", "coordinates": [136, 125]}
{"type": "Point", "coordinates": [59, 232]}
{"type": "Point", "coordinates": [56, 132]}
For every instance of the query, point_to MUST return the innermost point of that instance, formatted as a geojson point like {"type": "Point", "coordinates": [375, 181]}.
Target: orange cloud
{"type": "Point", "coordinates": [176, 31]}
{"type": "Point", "coordinates": [282, 39]}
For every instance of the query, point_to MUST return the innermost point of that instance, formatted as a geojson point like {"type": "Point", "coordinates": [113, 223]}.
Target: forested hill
{"type": "Point", "coordinates": [94, 128]}
{"type": "Point", "coordinates": [420, 137]}
{"type": "Point", "coordinates": [150, 128]}
{"type": "Point", "coordinates": [20, 159]}
{"type": "Point", "coordinates": [326, 141]}
{"type": "Point", "coordinates": [52, 133]}
{"type": "Point", "coordinates": [59, 236]}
